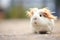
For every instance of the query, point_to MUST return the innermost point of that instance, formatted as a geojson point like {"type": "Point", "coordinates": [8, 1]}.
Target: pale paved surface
{"type": "Point", "coordinates": [21, 30]}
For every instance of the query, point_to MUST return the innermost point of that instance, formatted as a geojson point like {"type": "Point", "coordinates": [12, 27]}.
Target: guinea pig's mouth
{"type": "Point", "coordinates": [35, 22]}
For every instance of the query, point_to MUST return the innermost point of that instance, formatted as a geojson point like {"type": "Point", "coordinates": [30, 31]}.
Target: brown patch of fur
{"type": "Point", "coordinates": [47, 13]}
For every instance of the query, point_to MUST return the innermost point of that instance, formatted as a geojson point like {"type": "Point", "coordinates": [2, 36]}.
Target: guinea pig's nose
{"type": "Point", "coordinates": [35, 18]}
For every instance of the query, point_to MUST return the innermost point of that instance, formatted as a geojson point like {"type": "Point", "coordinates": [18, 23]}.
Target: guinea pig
{"type": "Point", "coordinates": [41, 20]}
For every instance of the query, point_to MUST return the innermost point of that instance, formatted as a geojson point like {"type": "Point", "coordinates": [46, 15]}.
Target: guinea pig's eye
{"type": "Point", "coordinates": [40, 15]}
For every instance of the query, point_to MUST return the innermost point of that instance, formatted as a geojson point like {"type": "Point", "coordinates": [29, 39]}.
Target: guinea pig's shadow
{"type": "Point", "coordinates": [41, 32]}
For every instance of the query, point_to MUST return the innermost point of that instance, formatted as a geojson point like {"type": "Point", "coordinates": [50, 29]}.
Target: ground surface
{"type": "Point", "coordinates": [20, 29]}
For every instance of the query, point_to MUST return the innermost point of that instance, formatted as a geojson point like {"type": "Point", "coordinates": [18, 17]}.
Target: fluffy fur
{"type": "Point", "coordinates": [41, 19]}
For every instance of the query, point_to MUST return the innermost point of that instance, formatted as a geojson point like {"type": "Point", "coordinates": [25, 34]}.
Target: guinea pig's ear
{"type": "Point", "coordinates": [45, 14]}
{"type": "Point", "coordinates": [49, 16]}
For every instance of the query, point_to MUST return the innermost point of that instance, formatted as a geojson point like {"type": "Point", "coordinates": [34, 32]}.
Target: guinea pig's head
{"type": "Point", "coordinates": [39, 16]}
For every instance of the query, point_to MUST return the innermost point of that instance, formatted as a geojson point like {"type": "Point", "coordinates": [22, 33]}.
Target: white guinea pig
{"type": "Point", "coordinates": [41, 20]}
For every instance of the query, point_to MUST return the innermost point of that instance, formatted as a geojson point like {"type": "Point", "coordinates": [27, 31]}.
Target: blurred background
{"type": "Point", "coordinates": [17, 8]}
{"type": "Point", "coordinates": [13, 19]}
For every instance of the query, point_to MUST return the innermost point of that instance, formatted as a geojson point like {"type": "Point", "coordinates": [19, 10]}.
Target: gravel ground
{"type": "Point", "coordinates": [20, 29]}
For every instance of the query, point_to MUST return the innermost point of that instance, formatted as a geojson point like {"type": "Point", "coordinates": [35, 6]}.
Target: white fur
{"type": "Point", "coordinates": [42, 23]}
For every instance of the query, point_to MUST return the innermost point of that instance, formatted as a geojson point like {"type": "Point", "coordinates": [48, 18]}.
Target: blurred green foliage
{"type": "Point", "coordinates": [16, 12]}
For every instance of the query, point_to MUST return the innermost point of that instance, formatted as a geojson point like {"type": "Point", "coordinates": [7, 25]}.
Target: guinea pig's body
{"type": "Point", "coordinates": [42, 25]}
{"type": "Point", "coordinates": [41, 20]}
